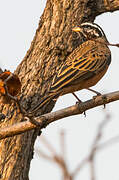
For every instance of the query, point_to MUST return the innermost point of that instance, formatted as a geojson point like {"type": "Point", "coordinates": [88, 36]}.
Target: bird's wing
{"type": "Point", "coordinates": [82, 64]}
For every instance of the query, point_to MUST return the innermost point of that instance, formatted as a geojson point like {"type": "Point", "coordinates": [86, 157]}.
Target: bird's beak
{"type": "Point", "coordinates": [77, 29]}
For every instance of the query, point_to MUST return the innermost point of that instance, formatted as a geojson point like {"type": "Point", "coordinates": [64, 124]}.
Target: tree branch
{"type": "Point", "coordinates": [57, 115]}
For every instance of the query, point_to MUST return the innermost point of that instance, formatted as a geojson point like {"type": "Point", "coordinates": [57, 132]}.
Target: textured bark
{"type": "Point", "coordinates": [52, 43]}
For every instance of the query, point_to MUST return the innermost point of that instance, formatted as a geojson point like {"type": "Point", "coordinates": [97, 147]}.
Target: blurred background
{"type": "Point", "coordinates": [18, 22]}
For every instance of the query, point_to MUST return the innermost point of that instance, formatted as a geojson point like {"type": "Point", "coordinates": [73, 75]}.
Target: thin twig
{"type": "Point", "coordinates": [80, 166]}
{"type": "Point", "coordinates": [48, 145]}
{"type": "Point", "coordinates": [43, 155]}
{"type": "Point", "coordinates": [62, 144]}
{"type": "Point", "coordinates": [90, 158]}
{"type": "Point", "coordinates": [108, 143]}
{"type": "Point", "coordinates": [58, 159]}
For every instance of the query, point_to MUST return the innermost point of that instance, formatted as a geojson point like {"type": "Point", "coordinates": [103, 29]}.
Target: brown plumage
{"type": "Point", "coordinates": [84, 67]}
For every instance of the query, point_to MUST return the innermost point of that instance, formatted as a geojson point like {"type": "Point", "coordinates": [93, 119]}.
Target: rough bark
{"type": "Point", "coordinates": [52, 43]}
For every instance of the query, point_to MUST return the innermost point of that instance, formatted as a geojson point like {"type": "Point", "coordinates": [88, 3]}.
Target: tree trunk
{"type": "Point", "coordinates": [52, 43]}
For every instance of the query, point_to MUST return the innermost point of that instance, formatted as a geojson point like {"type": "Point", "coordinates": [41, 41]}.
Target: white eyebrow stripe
{"type": "Point", "coordinates": [93, 25]}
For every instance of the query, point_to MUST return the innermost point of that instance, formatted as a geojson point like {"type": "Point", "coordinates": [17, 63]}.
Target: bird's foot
{"type": "Point", "coordinates": [103, 97]}
{"type": "Point", "coordinates": [97, 94]}
{"type": "Point", "coordinates": [84, 111]}
{"type": "Point", "coordinates": [104, 101]}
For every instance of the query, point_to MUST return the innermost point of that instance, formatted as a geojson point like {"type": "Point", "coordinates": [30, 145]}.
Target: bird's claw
{"type": "Point", "coordinates": [78, 102]}
{"type": "Point", "coordinates": [103, 97]}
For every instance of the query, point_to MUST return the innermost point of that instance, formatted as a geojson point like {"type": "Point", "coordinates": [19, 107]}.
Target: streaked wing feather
{"type": "Point", "coordinates": [63, 80]}
{"type": "Point", "coordinates": [83, 66]}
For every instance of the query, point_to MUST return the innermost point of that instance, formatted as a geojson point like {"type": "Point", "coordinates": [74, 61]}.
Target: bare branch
{"type": "Point", "coordinates": [58, 159]}
{"type": "Point", "coordinates": [44, 155]}
{"type": "Point", "coordinates": [80, 166]}
{"type": "Point", "coordinates": [51, 117]}
{"type": "Point", "coordinates": [90, 158]}
{"type": "Point", "coordinates": [108, 143]}
{"type": "Point", "coordinates": [48, 145]}
{"type": "Point", "coordinates": [62, 144]}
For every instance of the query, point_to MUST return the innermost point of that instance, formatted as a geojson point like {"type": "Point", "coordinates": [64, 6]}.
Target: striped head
{"type": "Point", "coordinates": [90, 31]}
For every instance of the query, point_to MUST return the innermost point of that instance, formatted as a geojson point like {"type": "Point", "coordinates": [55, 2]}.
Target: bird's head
{"type": "Point", "coordinates": [90, 31]}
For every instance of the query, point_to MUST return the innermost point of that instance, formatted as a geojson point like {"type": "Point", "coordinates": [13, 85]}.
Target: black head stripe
{"type": "Point", "coordinates": [97, 29]}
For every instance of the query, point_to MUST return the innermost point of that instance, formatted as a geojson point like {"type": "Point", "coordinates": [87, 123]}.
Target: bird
{"type": "Point", "coordinates": [83, 68]}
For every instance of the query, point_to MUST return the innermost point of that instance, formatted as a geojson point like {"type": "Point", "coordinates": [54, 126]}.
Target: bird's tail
{"type": "Point", "coordinates": [44, 102]}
